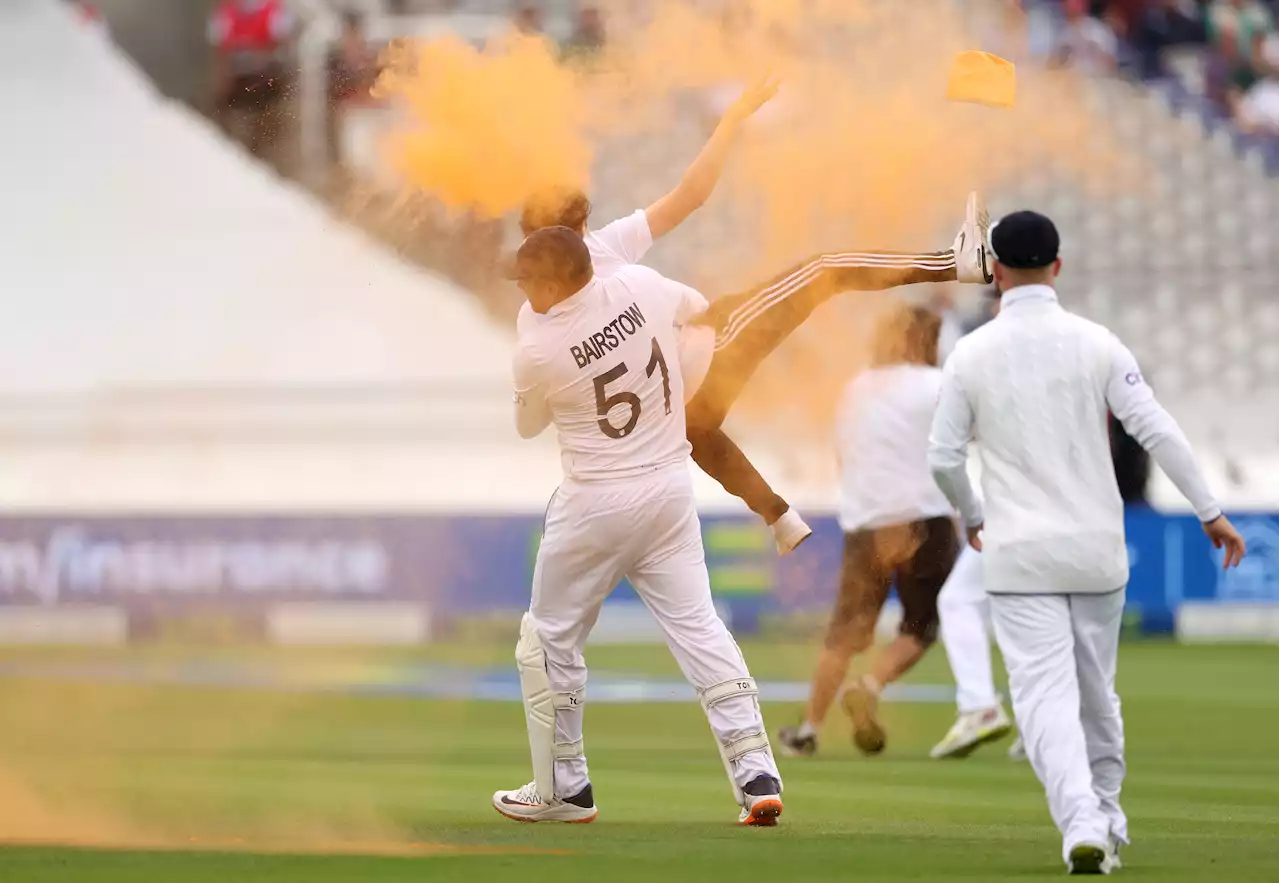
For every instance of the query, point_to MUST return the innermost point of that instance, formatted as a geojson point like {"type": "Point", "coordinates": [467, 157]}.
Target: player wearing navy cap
{"type": "Point", "coordinates": [1034, 385]}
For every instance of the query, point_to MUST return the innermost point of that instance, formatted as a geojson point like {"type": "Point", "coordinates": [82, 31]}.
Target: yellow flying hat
{"type": "Point", "coordinates": [981, 78]}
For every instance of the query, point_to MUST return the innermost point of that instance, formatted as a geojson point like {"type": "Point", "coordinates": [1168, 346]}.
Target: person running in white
{"type": "Point", "coordinates": [1033, 386]}
{"type": "Point", "coordinates": [963, 610]}
{"type": "Point", "coordinates": [962, 613]}
{"type": "Point", "coordinates": [898, 528]}
{"type": "Point", "coordinates": [594, 361]}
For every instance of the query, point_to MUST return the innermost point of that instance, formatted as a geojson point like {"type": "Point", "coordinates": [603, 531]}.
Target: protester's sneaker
{"type": "Point", "coordinates": [763, 796]}
{"type": "Point", "coordinates": [798, 741]}
{"type": "Point", "coordinates": [526, 805]}
{"type": "Point", "coordinates": [971, 730]}
{"type": "Point", "coordinates": [1091, 858]}
{"type": "Point", "coordinates": [973, 262]}
{"type": "Point", "coordinates": [860, 702]}
{"type": "Point", "coordinates": [1018, 750]}
{"type": "Point", "coordinates": [790, 531]}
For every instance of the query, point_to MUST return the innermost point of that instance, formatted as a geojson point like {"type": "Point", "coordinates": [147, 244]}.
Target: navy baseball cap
{"type": "Point", "coordinates": [552, 254]}
{"type": "Point", "coordinates": [1024, 240]}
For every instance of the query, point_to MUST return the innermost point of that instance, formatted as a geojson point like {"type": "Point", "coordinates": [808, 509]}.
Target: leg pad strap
{"type": "Point", "coordinates": [739, 748]}
{"type": "Point", "coordinates": [728, 690]}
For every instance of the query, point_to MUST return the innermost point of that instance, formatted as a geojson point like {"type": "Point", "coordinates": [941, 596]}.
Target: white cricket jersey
{"type": "Point", "coordinates": [602, 365]}
{"type": "Point", "coordinates": [882, 427]}
{"type": "Point", "coordinates": [620, 244]}
{"type": "Point", "coordinates": [1033, 386]}
{"type": "Point", "coordinates": [624, 243]}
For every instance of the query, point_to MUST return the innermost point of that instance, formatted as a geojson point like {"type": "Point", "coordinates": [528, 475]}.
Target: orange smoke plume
{"type": "Point", "coordinates": [485, 128]}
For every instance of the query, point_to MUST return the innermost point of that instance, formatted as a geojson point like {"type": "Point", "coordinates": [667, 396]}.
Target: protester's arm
{"type": "Point", "coordinates": [702, 175]}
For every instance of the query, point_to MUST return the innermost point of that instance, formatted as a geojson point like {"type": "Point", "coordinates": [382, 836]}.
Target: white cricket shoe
{"type": "Point", "coordinates": [971, 730]}
{"type": "Point", "coordinates": [1018, 750]}
{"type": "Point", "coordinates": [1093, 858]}
{"type": "Point", "coordinates": [526, 805]}
{"type": "Point", "coordinates": [790, 531]}
{"type": "Point", "coordinates": [1113, 851]}
{"type": "Point", "coordinates": [973, 262]}
{"type": "Point", "coordinates": [763, 796]}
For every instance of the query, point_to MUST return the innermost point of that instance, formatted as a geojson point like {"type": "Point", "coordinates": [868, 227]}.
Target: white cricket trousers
{"type": "Point", "coordinates": [1061, 654]}
{"type": "Point", "coordinates": [647, 530]}
{"type": "Point", "coordinates": [962, 625]}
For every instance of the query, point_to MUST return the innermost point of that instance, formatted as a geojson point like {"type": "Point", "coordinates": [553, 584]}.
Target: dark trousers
{"type": "Point", "coordinates": [751, 325]}
{"type": "Point", "coordinates": [918, 556]}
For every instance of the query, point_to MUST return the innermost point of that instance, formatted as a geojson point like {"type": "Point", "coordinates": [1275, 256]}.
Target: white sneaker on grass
{"type": "Point", "coordinates": [971, 730]}
{"type": "Point", "coordinates": [527, 805]}
{"type": "Point", "coordinates": [1093, 858]}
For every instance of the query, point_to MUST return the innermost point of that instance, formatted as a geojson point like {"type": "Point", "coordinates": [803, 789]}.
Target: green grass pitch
{"type": "Point", "coordinates": [191, 783]}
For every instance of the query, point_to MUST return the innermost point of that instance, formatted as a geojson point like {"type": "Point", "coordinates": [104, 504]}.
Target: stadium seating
{"type": "Point", "coordinates": [186, 329]}
{"type": "Point", "coordinates": [321, 328]}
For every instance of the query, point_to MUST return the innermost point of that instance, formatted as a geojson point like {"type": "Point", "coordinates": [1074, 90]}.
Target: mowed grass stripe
{"type": "Point", "coordinates": [331, 771]}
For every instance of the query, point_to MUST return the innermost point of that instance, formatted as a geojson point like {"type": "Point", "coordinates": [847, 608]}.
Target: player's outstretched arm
{"type": "Point", "coordinates": [1135, 406]}
{"type": "Point", "coordinates": [703, 174]}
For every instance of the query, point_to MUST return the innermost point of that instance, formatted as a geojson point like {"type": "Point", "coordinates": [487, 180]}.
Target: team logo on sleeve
{"type": "Point", "coordinates": [1133, 378]}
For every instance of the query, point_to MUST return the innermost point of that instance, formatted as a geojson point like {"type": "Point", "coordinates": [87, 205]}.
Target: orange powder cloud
{"type": "Point", "coordinates": [484, 128]}
{"type": "Point", "coordinates": [860, 149]}
{"type": "Point", "coordinates": [869, 149]}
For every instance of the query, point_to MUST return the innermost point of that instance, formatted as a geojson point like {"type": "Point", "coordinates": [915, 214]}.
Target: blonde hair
{"type": "Point", "coordinates": [906, 335]}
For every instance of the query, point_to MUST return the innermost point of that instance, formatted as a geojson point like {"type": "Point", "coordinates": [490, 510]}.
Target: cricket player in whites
{"type": "Point", "coordinates": [963, 614]}
{"type": "Point", "coordinates": [598, 359]}
{"type": "Point", "coordinates": [962, 609]}
{"type": "Point", "coordinates": [1033, 386]}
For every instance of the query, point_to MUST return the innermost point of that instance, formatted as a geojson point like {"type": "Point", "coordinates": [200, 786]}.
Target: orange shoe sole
{"type": "Point", "coordinates": [588, 820]}
{"type": "Point", "coordinates": [764, 814]}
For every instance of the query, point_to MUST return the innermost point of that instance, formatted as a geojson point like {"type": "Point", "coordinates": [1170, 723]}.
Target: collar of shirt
{"type": "Point", "coordinates": [573, 300]}
{"type": "Point", "coordinates": [1028, 294]}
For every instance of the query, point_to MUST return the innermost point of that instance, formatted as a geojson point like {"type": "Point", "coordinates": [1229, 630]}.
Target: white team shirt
{"type": "Point", "coordinates": [602, 367]}
{"type": "Point", "coordinates": [1033, 386]}
{"type": "Point", "coordinates": [882, 428]}
{"type": "Point", "coordinates": [623, 243]}
{"type": "Point", "coordinates": [620, 244]}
